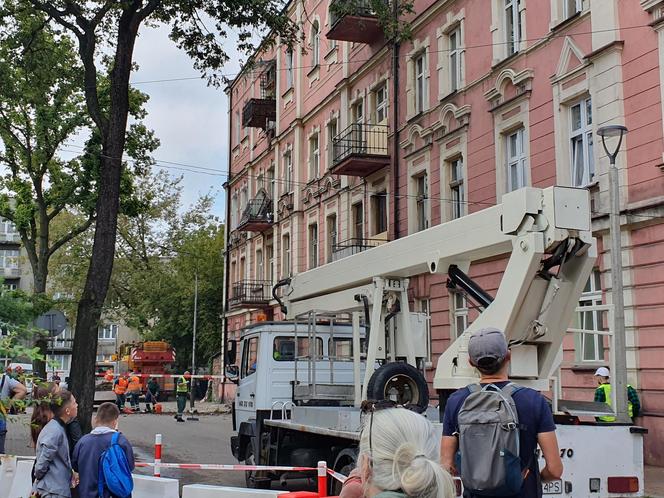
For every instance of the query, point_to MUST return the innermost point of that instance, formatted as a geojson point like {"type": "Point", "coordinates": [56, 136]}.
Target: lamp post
{"type": "Point", "coordinates": [619, 374]}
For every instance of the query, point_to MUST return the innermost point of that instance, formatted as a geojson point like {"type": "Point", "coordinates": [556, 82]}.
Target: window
{"type": "Point", "coordinates": [457, 188]}
{"type": "Point", "coordinates": [455, 59]}
{"type": "Point", "coordinates": [315, 44]}
{"type": "Point", "coordinates": [108, 332]}
{"type": "Point", "coordinates": [459, 307]}
{"type": "Point", "coordinates": [590, 347]}
{"type": "Point", "coordinates": [420, 82]}
{"type": "Point", "coordinates": [238, 126]}
{"type": "Point", "coordinates": [286, 250]}
{"type": "Point", "coordinates": [512, 26]}
{"type": "Point", "coordinates": [423, 306]}
{"type": "Point", "coordinates": [313, 246]}
{"type": "Point", "coordinates": [288, 172]}
{"type": "Point", "coordinates": [289, 68]}
{"type": "Point", "coordinates": [283, 348]}
{"type": "Point", "coordinates": [380, 96]}
{"type": "Point", "coordinates": [271, 182]}
{"type": "Point", "coordinates": [260, 181]}
{"type": "Point", "coordinates": [357, 111]}
{"type": "Point", "coordinates": [59, 362]}
{"type": "Point", "coordinates": [516, 160]}
{"type": "Point", "coordinates": [7, 227]}
{"type": "Point", "coordinates": [331, 133]}
{"type": "Point", "coordinates": [314, 157]}
{"type": "Point", "coordinates": [9, 258]}
{"type": "Point", "coordinates": [341, 348]}
{"type": "Point", "coordinates": [249, 356]}
{"type": "Point", "coordinates": [572, 7]}
{"type": "Point", "coordinates": [331, 235]}
{"type": "Point", "coordinates": [11, 287]}
{"type": "Point", "coordinates": [422, 202]}
{"type": "Point", "coordinates": [269, 255]}
{"type": "Point", "coordinates": [379, 212]}
{"type": "Point", "coordinates": [358, 222]}
{"type": "Point", "coordinates": [260, 269]}
{"type": "Point", "coordinates": [581, 138]}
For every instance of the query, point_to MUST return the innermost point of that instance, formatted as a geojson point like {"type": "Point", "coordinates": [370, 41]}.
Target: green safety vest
{"type": "Point", "coordinates": [182, 385]}
{"type": "Point", "coordinates": [607, 397]}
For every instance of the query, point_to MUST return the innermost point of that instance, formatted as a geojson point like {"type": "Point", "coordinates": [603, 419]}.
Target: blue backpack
{"type": "Point", "coordinates": [114, 472]}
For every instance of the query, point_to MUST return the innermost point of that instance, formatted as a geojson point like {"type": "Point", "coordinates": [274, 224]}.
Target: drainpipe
{"type": "Point", "coordinates": [227, 231]}
{"type": "Point", "coordinates": [395, 122]}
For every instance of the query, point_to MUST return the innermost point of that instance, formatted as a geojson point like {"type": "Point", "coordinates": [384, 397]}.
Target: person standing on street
{"type": "Point", "coordinates": [52, 470]}
{"type": "Point", "coordinates": [134, 390]}
{"type": "Point", "coordinates": [182, 391]}
{"type": "Point", "coordinates": [603, 395]}
{"type": "Point", "coordinates": [9, 389]}
{"type": "Point", "coordinates": [488, 352]}
{"type": "Point", "coordinates": [120, 390]}
{"type": "Point", "coordinates": [151, 394]}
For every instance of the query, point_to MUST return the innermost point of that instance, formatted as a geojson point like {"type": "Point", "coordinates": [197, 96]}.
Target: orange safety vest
{"type": "Point", "coordinates": [134, 384]}
{"type": "Point", "coordinates": [121, 386]}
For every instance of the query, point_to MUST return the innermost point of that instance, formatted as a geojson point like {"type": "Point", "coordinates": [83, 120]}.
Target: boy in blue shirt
{"type": "Point", "coordinates": [88, 450]}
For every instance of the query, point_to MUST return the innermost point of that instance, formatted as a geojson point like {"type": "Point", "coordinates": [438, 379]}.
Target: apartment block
{"type": "Point", "coordinates": [348, 141]}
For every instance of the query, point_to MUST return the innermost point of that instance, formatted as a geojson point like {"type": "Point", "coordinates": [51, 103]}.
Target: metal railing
{"type": "Point", "coordinates": [10, 237]}
{"type": "Point", "coordinates": [341, 8]}
{"type": "Point", "coordinates": [352, 246]}
{"type": "Point", "coordinates": [257, 210]}
{"type": "Point", "coordinates": [361, 140]}
{"type": "Point", "coordinates": [250, 292]}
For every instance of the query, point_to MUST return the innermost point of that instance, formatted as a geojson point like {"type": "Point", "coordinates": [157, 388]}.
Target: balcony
{"type": "Point", "coordinates": [250, 294]}
{"type": "Point", "coordinates": [257, 216]}
{"type": "Point", "coordinates": [11, 272]}
{"type": "Point", "coordinates": [10, 238]}
{"type": "Point", "coordinates": [261, 112]}
{"type": "Point", "coordinates": [59, 344]}
{"type": "Point", "coordinates": [360, 150]}
{"type": "Point", "coordinates": [353, 246]}
{"type": "Point", "coordinates": [353, 22]}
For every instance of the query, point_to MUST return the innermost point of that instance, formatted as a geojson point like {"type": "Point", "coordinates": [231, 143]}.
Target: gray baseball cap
{"type": "Point", "coordinates": [487, 346]}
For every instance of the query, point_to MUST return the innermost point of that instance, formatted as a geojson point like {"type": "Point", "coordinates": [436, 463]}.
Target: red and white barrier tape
{"type": "Point", "coordinates": [215, 466]}
{"type": "Point", "coordinates": [166, 376]}
{"type": "Point", "coordinates": [339, 477]}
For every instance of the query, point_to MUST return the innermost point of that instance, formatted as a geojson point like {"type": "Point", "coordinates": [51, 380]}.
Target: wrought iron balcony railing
{"type": "Point", "coordinates": [250, 293]}
{"type": "Point", "coordinates": [360, 150]}
{"type": "Point", "coordinates": [257, 216]}
{"type": "Point", "coordinates": [353, 246]}
{"type": "Point", "coordinates": [353, 21]}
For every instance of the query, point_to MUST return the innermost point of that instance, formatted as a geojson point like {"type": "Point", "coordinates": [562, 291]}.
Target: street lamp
{"type": "Point", "coordinates": [619, 380]}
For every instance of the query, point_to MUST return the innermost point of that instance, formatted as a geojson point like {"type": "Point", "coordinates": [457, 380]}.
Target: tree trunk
{"type": "Point", "coordinates": [41, 342]}
{"type": "Point", "coordinates": [82, 376]}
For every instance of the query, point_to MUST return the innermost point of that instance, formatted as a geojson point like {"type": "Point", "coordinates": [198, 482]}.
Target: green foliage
{"type": "Point", "coordinates": [17, 312]}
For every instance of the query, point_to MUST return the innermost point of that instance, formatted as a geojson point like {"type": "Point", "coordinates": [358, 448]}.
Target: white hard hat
{"type": "Point", "coordinates": [602, 372]}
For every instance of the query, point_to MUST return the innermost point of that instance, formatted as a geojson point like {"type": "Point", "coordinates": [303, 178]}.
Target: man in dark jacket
{"type": "Point", "coordinates": [88, 451]}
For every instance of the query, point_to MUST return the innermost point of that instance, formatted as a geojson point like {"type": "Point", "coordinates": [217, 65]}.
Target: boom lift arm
{"type": "Point", "coordinates": [547, 234]}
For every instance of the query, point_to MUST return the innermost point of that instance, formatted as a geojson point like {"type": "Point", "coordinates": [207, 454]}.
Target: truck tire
{"type": "Point", "coordinates": [400, 382]}
{"type": "Point", "coordinates": [344, 463]}
{"type": "Point", "coordinates": [251, 478]}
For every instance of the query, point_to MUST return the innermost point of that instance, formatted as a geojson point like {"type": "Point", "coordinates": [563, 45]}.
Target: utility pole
{"type": "Point", "coordinates": [193, 346]}
{"type": "Point", "coordinates": [619, 373]}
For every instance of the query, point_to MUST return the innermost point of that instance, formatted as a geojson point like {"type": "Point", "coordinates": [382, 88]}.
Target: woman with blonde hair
{"type": "Point", "coordinates": [399, 456]}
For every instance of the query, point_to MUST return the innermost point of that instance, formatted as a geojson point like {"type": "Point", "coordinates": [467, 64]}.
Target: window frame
{"type": "Point", "coordinates": [246, 351]}
{"type": "Point", "coordinates": [314, 156]}
{"type": "Point", "coordinates": [419, 81]}
{"type": "Point", "coordinates": [519, 160]}
{"type": "Point", "coordinates": [454, 59]}
{"type": "Point", "coordinates": [512, 36]}
{"type": "Point", "coordinates": [296, 353]}
{"type": "Point", "coordinates": [594, 296]}
{"type": "Point", "coordinates": [331, 239]}
{"type": "Point", "coordinates": [286, 263]}
{"type": "Point", "coordinates": [457, 188]}
{"type": "Point", "coordinates": [423, 217]}
{"type": "Point", "coordinates": [381, 104]}
{"type": "Point", "coordinates": [313, 245]}
{"type": "Point", "coordinates": [288, 172]}
{"type": "Point", "coordinates": [112, 334]}
{"type": "Point", "coordinates": [315, 44]}
{"type": "Point", "coordinates": [379, 212]}
{"type": "Point", "coordinates": [289, 69]}
{"type": "Point", "coordinates": [578, 7]}
{"type": "Point", "coordinates": [460, 311]}
{"type": "Point", "coordinates": [357, 219]}
{"type": "Point", "coordinates": [585, 133]}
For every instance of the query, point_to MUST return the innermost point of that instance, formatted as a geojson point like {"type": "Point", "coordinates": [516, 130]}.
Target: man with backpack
{"type": "Point", "coordinates": [491, 429]}
{"type": "Point", "coordinates": [104, 458]}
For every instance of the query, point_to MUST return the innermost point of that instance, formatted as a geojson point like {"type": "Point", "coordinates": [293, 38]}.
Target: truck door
{"type": "Point", "coordinates": [245, 397]}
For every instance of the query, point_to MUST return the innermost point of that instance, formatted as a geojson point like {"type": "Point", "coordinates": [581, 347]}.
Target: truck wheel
{"type": "Point", "coordinates": [345, 462]}
{"type": "Point", "coordinates": [400, 382]}
{"type": "Point", "coordinates": [250, 476]}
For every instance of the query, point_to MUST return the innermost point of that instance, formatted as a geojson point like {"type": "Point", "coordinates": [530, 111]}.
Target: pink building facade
{"type": "Point", "coordinates": [334, 149]}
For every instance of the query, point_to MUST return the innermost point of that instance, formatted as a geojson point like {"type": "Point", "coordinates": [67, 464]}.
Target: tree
{"type": "Point", "coordinates": [111, 27]}
{"type": "Point", "coordinates": [42, 107]}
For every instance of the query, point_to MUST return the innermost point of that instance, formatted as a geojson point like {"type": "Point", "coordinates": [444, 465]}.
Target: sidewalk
{"type": "Point", "coordinates": [200, 407]}
{"type": "Point", "coordinates": [654, 477]}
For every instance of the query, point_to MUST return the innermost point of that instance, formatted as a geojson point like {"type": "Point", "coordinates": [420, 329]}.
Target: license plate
{"type": "Point", "coordinates": [552, 487]}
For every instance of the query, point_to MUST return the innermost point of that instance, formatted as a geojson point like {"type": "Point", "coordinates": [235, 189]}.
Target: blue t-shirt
{"type": "Point", "coordinates": [535, 418]}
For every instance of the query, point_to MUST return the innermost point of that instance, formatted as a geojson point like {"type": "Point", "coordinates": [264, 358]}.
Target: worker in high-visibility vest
{"type": "Point", "coordinates": [181, 394]}
{"type": "Point", "coordinates": [134, 390]}
{"type": "Point", "coordinates": [603, 395]}
{"type": "Point", "coordinates": [120, 390]}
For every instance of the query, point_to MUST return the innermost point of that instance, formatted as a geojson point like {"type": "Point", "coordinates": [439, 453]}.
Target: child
{"type": "Point", "coordinates": [52, 470]}
{"type": "Point", "coordinates": [89, 449]}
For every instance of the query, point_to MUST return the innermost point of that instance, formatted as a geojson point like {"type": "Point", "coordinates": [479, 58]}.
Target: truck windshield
{"type": "Point", "coordinates": [283, 348]}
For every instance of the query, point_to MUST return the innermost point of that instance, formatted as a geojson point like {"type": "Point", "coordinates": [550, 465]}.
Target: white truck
{"type": "Point", "coordinates": [357, 339]}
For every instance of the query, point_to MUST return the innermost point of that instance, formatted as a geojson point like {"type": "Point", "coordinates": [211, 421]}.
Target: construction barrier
{"type": "Point", "coordinates": [22, 483]}
{"type": "Point", "coordinates": [157, 455]}
{"type": "Point", "coordinates": [167, 376]}
{"type": "Point", "coordinates": [219, 466]}
{"type": "Point", "coordinates": [150, 487]}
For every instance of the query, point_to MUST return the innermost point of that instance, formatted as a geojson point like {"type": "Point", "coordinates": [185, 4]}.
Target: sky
{"type": "Point", "coordinates": [189, 118]}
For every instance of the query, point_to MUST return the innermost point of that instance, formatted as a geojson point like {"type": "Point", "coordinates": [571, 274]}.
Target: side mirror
{"type": "Point", "coordinates": [231, 352]}
{"type": "Point", "coordinates": [232, 373]}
